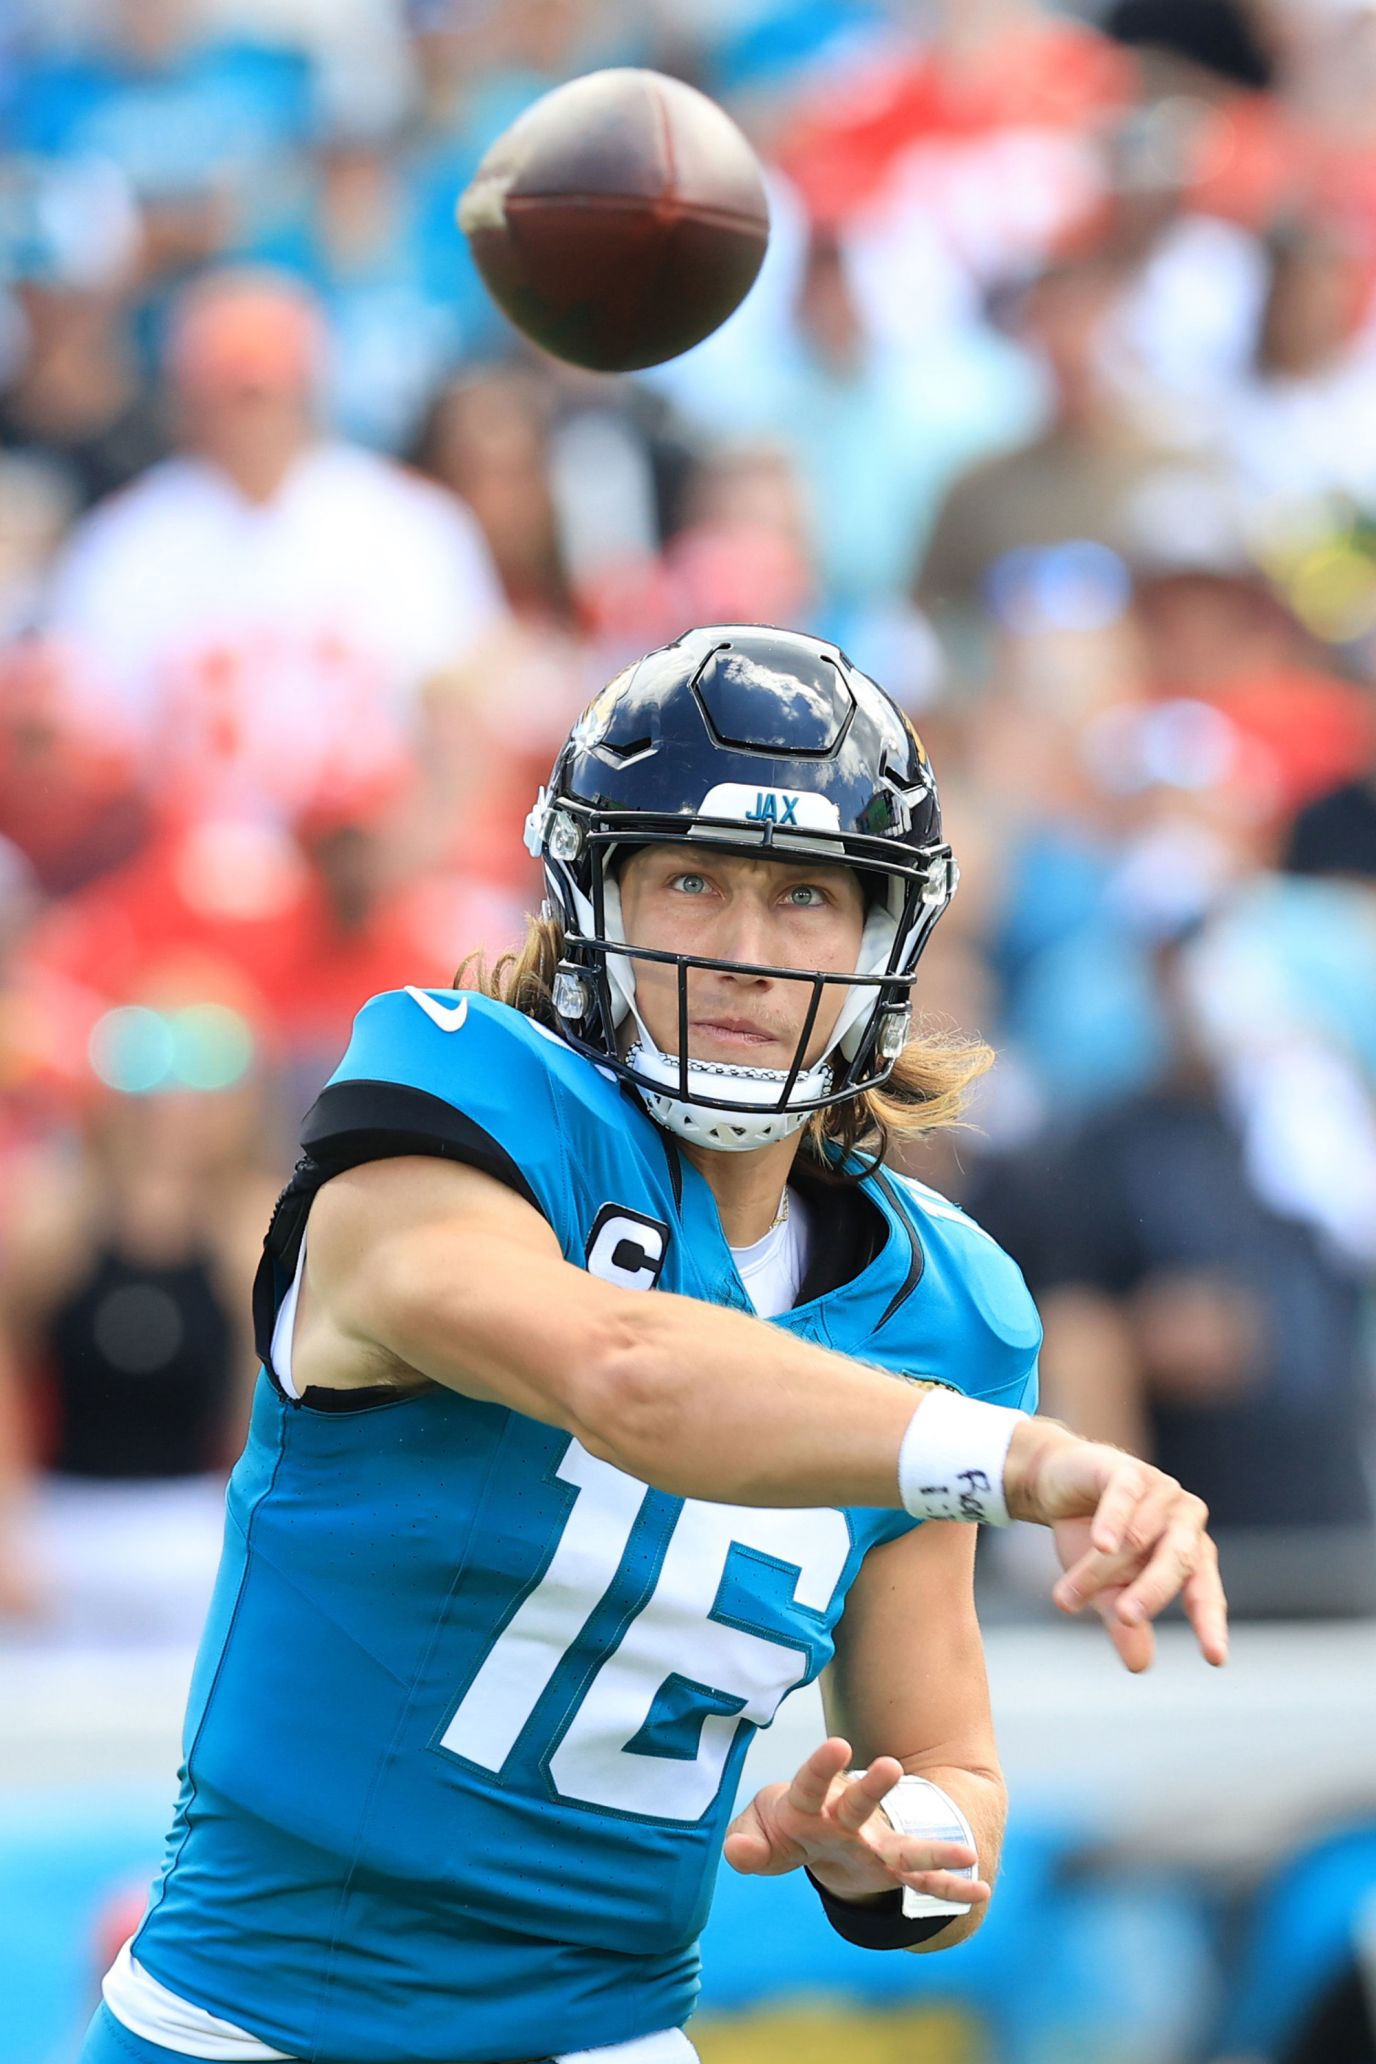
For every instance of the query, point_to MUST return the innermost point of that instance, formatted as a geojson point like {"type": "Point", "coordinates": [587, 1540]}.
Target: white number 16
{"type": "Point", "coordinates": [677, 1633]}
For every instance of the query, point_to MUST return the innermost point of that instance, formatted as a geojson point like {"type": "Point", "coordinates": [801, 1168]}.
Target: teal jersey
{"type": "Point", "coordinates": [470, 1710]}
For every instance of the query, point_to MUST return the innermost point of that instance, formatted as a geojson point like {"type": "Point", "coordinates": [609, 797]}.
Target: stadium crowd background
{"type": "Point", "coordinates": [1055, 403]}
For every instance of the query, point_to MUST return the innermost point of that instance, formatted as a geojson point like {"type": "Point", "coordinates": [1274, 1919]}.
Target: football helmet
{"type": "Point", "coordinates": [742, 738]}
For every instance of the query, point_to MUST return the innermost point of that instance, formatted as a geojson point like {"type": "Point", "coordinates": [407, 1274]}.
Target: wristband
{"type": "Point", "coordinates": [905, 1917]}
{"type": "Point", "coordinates": [916, 1806]}
{"type": "Point", "coordinates": [950, 1464]}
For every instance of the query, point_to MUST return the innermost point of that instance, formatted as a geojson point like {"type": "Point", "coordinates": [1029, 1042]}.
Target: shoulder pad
{"type": "Point", "coordinates": [990, 1320]}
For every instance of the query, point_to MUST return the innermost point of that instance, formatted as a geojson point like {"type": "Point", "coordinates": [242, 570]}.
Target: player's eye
{"type": "Point", "coordinates": [805, 896]}
{"type": "Point", "coordinates": [690, 884]}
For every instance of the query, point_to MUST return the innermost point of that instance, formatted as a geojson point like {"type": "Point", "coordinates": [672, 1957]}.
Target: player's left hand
{"type": "Point", "coordinates": [835, 1825]}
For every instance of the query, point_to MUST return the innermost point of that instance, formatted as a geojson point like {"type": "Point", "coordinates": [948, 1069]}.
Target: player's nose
{"type": "Point", "coordinates": [747, 933]}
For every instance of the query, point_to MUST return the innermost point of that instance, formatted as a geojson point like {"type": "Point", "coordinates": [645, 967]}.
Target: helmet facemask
{"type": "Point", "coordinates": [752, 740]}
{"type": "Point", "coordinates": [731, 1106]}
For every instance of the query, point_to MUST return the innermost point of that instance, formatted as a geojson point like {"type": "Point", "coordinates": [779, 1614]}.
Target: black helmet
{"type": "Point", "coordinates": [740, 737]}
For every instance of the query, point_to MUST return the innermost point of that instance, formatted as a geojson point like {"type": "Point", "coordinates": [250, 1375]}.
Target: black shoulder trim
{"type": "Point", "coordinates": [674, 1157]}
{"type": "Point", "coordinates": [917, 1261]}
{"type": "Point", "coordinates": [353, 1122]}
{"type": "Point", "coordinates": [348, 1124]}
{"type": "Point", "coordinates": [281, 1245]}
{"type": "Point", "coordinates": [855, 1231]}
{"type": "Point", "coordinates": [370, 1397]}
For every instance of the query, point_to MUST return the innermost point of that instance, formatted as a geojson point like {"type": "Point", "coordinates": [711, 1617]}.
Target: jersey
{"type": "Point", "coordinates": [471, 1706]}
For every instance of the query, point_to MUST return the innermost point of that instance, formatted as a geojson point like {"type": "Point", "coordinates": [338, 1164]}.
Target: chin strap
{"type": "Point", "coordinates": [731, 1131]}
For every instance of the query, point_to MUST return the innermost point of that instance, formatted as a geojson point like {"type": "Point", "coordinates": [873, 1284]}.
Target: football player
{"type": "Point", "coordinates": [519, 1556]}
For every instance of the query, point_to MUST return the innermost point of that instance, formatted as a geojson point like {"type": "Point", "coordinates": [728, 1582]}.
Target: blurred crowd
{"type": "Point", "coordinates": [1055, 402]}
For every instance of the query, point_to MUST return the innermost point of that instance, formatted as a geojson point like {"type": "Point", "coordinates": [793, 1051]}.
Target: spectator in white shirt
{"type": "Point", "coordinates": [238, 583]}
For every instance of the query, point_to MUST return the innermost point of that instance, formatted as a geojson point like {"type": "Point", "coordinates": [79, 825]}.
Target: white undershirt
{"type": "Point", "coordinates": [148, 2009]}
{"type": "Point", "coordinates": [773, 1269]}
{"type": "Point", "coordinates": [285, 1325]}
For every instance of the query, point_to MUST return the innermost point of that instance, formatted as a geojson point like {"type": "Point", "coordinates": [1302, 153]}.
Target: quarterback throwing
{"type": "Point", "coordinates": [612, 1388]}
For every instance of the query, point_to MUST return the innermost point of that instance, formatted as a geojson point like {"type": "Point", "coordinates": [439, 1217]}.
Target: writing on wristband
{"type": "Point", "coordinates": [951, 1462]}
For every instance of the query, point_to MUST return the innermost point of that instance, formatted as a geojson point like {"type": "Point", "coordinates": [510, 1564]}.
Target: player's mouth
{"type": "Point", "coordinates": [738, 1033]}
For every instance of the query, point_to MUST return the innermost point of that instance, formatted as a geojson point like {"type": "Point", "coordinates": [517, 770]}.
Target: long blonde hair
{"type": "Point", "coordinates": [927, 1091]}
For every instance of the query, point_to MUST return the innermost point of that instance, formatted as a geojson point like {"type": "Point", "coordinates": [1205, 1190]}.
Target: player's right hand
{"type": "Point", "coordinates": [833, 1821]}
{"type": "Point", "coordinates": [1129, 1537]}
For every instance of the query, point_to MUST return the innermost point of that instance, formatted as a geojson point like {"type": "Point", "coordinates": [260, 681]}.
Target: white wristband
{"type": "Point", "coordinates": [950, 1465]}
{"type": "Point", "coordinates": [920, 1808]}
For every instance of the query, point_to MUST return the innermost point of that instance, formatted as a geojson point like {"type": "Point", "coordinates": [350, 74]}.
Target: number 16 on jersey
{"type": "Point", "coordinates": [710, 1647]}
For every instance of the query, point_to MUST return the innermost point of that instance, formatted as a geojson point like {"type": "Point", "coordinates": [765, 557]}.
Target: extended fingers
{"type": "Point", "coordinates": [1117, 1501]}
{"type": "Point", "coordinates": [1163, 1552]}
{"type": "Point", "coordinates": [1172, 1561]}
{"type": "Point", "coordinates": [811, 1787]}
{"type": "Point", "coordinates": [1135, 1646]}
{"type": "Point", "coordinates": [910, 1857]}
{"type": "Point", "coordinates": [855, 1809]}
{"type": "Point", "coordinates": [1138, 1529]}
{"type": "Point", "coordinates": [1160, 1513]}
{"type": "Point", "coordinates": [1206, 1605]}
{"type": "Point", "coordinates": [942, 1885]}
{"type": "Point", "coordinates": [931, 1867]}
{"type": "Point", "coordinates": [853, 1806]}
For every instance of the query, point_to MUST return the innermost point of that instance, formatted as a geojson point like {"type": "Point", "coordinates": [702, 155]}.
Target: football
{"type": "Point", "coordinates": [619, 220]}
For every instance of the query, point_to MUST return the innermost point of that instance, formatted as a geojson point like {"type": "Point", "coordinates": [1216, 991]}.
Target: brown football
{"type": "Point", "coordinates": [619, 220]}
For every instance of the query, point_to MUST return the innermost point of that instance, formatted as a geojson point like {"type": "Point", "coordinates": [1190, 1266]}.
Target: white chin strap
{"type": "Point", "coordinates": [750, 1091]}
{"type": "Point", "coordinates": [733, 1131]}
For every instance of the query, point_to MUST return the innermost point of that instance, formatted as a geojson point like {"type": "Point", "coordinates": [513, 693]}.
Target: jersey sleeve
{"type": "Point", "coordinates": [455, 1075]}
